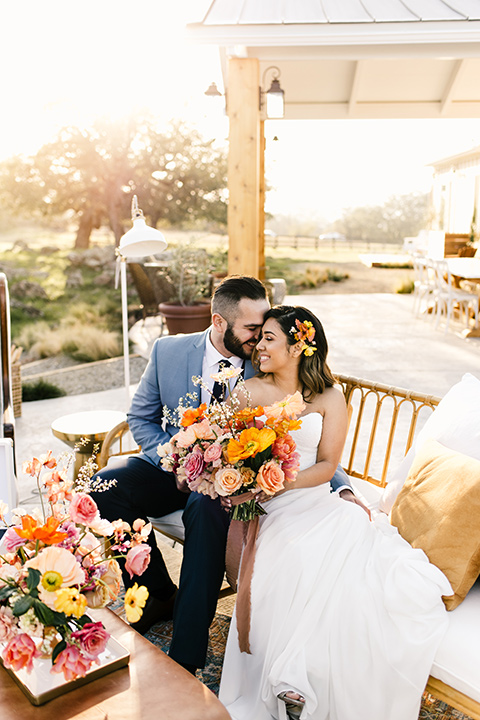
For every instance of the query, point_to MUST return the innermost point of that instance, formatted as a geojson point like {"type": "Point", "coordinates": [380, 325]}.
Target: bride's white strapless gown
{"type": "Point", "coordinates": [344, 611]}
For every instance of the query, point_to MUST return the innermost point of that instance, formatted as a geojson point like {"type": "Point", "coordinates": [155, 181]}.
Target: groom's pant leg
{"type": "Point", "coordinates": [142, 490]}
{"type": "Point", "coordinates": [206, 527]}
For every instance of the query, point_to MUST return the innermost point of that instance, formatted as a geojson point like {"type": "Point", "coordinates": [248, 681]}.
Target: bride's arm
{"type": "Point", "coordinates": [330, 448]}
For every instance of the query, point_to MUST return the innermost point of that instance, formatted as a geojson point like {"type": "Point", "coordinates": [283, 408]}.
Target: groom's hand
{"type": "Point", "coordinates": [182, 485]}
{"type": "Point", "coordinates": [350, 497]}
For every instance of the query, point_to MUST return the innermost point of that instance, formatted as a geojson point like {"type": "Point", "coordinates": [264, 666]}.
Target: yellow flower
{"type": "Point", "coordinates": [71, 602]}
{"type": "Point", "coordinates": [52, 580]}
{"type": "Point", "coordinates": [249, 443]}
{"type": "Point", "coordinates": [135, 599]}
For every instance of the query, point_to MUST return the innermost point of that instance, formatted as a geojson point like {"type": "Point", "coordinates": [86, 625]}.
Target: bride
{"type": "Point", "coordinates": [345, 615]}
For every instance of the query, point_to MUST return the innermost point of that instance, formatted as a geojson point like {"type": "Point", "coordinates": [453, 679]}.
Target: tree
{"type": "Point", "coordinates": [401, 216]}
{"type": "Point", "coordinates": [177, 175]}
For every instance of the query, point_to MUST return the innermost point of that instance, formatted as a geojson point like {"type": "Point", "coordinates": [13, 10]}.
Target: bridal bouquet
{"type": "Point", "coordinates": [56, 563]}
{"type": "Point", "coordinates": [222, 450]}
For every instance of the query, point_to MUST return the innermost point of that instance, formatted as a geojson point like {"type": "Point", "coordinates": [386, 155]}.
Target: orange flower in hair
{"type": "Point", "coordinates": [305, 333]}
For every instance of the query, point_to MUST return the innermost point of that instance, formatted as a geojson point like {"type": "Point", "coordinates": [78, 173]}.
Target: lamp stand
{"type": "Point", "coordinates": [126, 348]}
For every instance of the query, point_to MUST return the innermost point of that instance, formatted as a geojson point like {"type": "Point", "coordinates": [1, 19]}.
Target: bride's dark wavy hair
{"type": "Point", "coordinates": [313, 371]}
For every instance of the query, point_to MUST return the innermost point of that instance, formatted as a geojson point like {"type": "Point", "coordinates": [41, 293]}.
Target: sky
{"type": "Point", "coordinates": [69, 61]}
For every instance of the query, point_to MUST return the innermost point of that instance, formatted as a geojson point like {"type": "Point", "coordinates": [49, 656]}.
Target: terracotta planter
{"type": "Point", "coordinates": [186, 318]}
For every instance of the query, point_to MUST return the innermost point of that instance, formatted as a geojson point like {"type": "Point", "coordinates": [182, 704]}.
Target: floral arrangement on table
{"type": "Point", "coordinates": [223, 450]}
{"type": "Point", "coordinates": [56, 563]}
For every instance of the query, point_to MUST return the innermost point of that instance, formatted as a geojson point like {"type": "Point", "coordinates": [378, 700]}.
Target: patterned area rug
{"type": "Point", "coordinates": [161, 634]}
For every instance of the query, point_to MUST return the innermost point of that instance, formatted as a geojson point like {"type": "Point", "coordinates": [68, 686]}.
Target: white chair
{"type": "Point", "coordinates": [424, 283]}
{"type": "Point", "coordinates": [449, 298]}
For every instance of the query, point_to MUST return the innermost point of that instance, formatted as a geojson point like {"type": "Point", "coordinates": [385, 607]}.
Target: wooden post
{"type": "Point", "coordinates": [244, 166]}
{"type": "Point", "coordinates": [261, 206]}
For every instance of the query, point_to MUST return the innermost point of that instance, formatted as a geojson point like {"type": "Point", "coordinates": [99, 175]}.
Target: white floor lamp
{"type": "Point", "coordinates": [140, 241]}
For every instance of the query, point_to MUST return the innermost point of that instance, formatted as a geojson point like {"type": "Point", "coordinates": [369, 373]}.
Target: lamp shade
{"type": "Point", "coordinates": [275, 100]}
{"type": "Point", "coordinates": [141, 240]}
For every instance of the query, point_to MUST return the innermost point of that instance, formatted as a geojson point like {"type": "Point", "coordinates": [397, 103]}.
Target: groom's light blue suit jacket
{"type": "Point", "coordinates": [174, 360]}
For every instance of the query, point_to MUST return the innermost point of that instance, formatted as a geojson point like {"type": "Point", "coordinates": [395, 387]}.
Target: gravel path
{"type": "Point", "coordinates": [78, 378]}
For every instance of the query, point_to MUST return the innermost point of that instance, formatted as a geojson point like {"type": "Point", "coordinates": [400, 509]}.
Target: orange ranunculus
{"type": "Point", "coordinates": [249, 443]}
{"type": "Point", "coordinates": [191, 415]}
{"type": "Point", "coordinates": [47, 533]}
{"type": "Point", "coordinates": [247, 415]}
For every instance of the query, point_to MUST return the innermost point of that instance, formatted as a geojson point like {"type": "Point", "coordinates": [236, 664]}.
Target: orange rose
{"type": "Point", "coordinates": [227, 480]}
{"type": "Point", "coordinates": [270, 478]}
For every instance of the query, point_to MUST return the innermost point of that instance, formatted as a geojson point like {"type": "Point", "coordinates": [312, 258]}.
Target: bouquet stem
{"type": "Point", "coordinates": [247, 510]}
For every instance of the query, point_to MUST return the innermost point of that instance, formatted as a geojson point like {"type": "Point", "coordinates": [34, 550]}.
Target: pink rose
{"type": "Point", "coordinates": [227, 480]}
{"type": "Point", "coordinates": [93, 639]}
{"type": "Point", "coordinates": [72, 663]}
{"type": "Point", "coordinates": [83, 509]}
{"type": "Point", "coordinates": [193, 465]}
{"type": "Point", "coordinates": [12, 541]}
{"type": "Point", "coordinates": [270, 477]}
{"type": "Point", "coordinates": [213, 452]}
{"type": "Point", "coordinates": [137, 559]}
{"type": "Point", "coordinates": [20, 652]}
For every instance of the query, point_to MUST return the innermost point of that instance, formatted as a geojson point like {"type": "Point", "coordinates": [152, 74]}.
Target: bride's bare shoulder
{"type": "Point", "coordinates": [253, 392]}
{"type": "Point", "coordinates": [331, 398]}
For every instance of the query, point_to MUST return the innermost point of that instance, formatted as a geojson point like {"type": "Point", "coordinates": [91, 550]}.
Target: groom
{"type": "Point", "coordinates": [144, 489]}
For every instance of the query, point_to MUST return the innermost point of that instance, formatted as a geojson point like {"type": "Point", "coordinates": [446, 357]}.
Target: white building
{"type": "Point", "coordinates": [455, 197]}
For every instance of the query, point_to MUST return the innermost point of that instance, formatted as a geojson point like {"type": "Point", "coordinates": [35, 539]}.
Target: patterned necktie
{"type": "Point", "coordinates": [219, 389]}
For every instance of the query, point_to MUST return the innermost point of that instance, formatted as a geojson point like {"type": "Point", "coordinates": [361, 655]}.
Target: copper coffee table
{"type": "Point", "coordinates": [151, 687]}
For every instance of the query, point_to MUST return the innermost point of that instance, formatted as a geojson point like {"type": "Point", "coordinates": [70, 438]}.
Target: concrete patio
{"type": "Point", "coordinates": [373, 336]}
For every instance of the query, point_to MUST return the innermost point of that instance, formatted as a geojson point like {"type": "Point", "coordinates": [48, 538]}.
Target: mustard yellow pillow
{"type": "Point", "coordinates": [438, 510]}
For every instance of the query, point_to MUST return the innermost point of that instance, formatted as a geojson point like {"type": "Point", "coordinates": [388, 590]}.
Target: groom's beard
{"type": "Point", "coordinates": [234, 345]}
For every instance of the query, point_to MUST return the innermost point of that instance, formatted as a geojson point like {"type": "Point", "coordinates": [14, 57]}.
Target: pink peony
{"type": "Point", "coordinates": [270, 477]}
{"type": "Point", "coordinates": [12, 541]}
{"type": "Point", "coordinates": [137, 560]}
{"type": "Point", "coordinates": [92, 638]}
{"type": "Point", "coordinates": [72, 663]}
{"type": "Point", "coordinates": [193, 465]}
{"type": "Point", "coordinates": [283, 447]}
{"type": "Point", "coordinates": [20, 652]}
{"type": "Point", "coordinates": [213, 452]}
{"type": "Point", "coordinates": [290, 466]}
{"type": "Point", "coordinates": [83, 509]}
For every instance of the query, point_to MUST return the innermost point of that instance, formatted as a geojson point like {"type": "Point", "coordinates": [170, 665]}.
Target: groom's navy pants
{"type": "Point", "coordinates": [145, 490]}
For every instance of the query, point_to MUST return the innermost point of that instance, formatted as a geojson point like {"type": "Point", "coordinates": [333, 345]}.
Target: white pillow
{"type": "Point", "coordinates": [455, 423]}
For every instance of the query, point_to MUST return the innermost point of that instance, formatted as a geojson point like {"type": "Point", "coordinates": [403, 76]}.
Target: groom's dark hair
{"type": "Point", "coordinates": [233, 289]}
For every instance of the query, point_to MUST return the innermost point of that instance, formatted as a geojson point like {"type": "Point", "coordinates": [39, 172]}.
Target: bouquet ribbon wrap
{"type": "Point", "coordinates": [242, 535]}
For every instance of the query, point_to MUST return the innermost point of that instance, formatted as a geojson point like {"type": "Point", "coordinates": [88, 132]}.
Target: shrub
{"type": "Point", "coordinates": [406, 287]}
{"type": "Point", "coordinates": [83, 341]}
{"type": "Point", "coordinates": [40, 390]}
